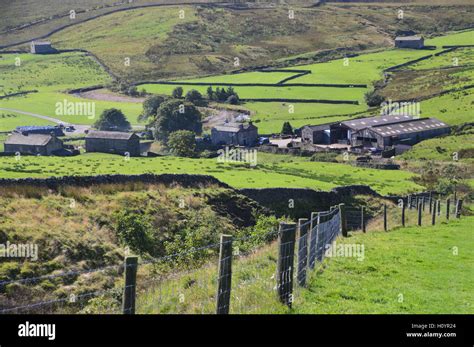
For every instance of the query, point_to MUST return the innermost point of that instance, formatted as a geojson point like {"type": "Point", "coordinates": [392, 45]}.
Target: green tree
{"type": "Point", "coordinates": [287, 129]}
{"type": "Point", "coordinates": [210, 93]}
{"type": "Point", "coordinates": [150, 107]}
{"type": "Point", "coordinates": [373, 99]}
{"type": "Point", "coordinates": [182, 143]}
{"type": "Point", "coordinates": [173, 115]}
{"type": "Point", "coordinates": [195, 97]}
{"type": "Point", "coordinates": [233, 100]}
{"type": "Point", "coordinates": [177, 93]}
{"type": "Point", "coordinates": [133, 230]}
{"type": "Point", "coordinates": [112, 119]}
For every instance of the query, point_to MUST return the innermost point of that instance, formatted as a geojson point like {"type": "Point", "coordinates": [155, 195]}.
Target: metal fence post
{"type": "Point", "coordinates": [403, 214]}
{"type": "Point", "coordinates": [385, 217]}
{"type": "Point", "coordinates": [458, 208]}
{"type": "Point", "coordinates": [303, 227]}
{"type": "Point", "coordinates": [225, 275]}
{"type": "Point", "coordinates": [313, 239]}
{"type": "Point", "coordinates": [129, 291]}
{"type": "Point", "coordinates": [287, 235]}
{"type": "Point", "coordinates": [362, 219]}
{"type": "Point", "coordinates": [448, 206]}
{"type": "Point", "coordinates": [419, 213]}
{"type": "Point", "coordinates": [342, 211]}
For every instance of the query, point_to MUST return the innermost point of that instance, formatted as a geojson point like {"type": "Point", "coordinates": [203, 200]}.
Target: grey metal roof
{"type": "Point", "coordinates": [319, 127]}
{"type": "Point", "coordinates": [233, 127]}
{"type": "Point", "coordinates": [408, 38]}
{"type": "Point", "coordinates": [362, 123]}
{"type": "Point", "coordinates": [408, 127]}
{"type": "Point", "coordinates": [30, 140]}
{"type": "Point", "coordinates": [115, 135]}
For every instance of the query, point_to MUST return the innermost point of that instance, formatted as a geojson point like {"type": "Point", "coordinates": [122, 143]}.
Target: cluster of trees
{"type": "Point", "coordinates": [223, 95]}
{"type": "Point", "coordinates": [125, 88]}
{"type": "Point", "coordinates": [175, 122]}
{"type": "Point", "coordinates": [112, 119]}
{"type": "Point", "coordinates": [373, 99]}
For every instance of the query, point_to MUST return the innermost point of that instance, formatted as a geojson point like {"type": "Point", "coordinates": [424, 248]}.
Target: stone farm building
{"type": "Point", "coordinates": [41, 47]}
{"type": "Point", "coordinates": [379, 132]}
{"type": "Point", "coordinates": [234, 134]}
{"type": "Point", "coordinates": [115, 142]}
{"type": "Point", "coordinates": [33, 144]}
{"type": "Point", "coordinates": [415, 42]}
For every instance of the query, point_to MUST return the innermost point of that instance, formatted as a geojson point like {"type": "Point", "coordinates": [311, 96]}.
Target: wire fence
{"type": "Point", "coordinates": [237, 278]}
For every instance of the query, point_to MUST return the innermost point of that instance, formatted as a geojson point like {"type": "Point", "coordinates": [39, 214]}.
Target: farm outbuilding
{"type": "Point", "coordinates": [35, 144]}
{"type": "Point", "coordinates": [113, 142]}
{"type": "Point", "coordinates": [317, 134]}
{"type": "Point", "coordinates": [41, 47]}
{"type": "Point", "coordinates": [46, 130]}
{"type": "Point", "coordinates": [235, 134]}
{"type": "Point", "coordinates": [409, 132]}
{"type": "Point", "coordinates": [415, 42]}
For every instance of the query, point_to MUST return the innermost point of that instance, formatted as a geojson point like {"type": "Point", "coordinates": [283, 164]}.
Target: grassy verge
{"type": "Point", "coordinates": [412, 270]}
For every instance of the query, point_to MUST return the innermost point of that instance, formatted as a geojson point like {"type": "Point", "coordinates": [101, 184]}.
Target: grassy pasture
{"type": "Point", "coordinates": [418, 263]}
{"type": "Point", "coordinates": [44, 103]}
{"type": "Point", "coordinates": [461, 56]}
{"type": "Point", "coordinates": [452, 108]}
{"type": "Point", "coordinates": [440, 149]}
{"type": "Point", "coordinates": [349, 94]}
{"type": "Point", "coordinates": [52, 72]}
{"type": "Point", "coordinates": [51, 75]}
{"type": "Point", "coordinates": [297, 174]}
{"type": "Point", "coordinates": [460, 38]}
{"type": "Point", "coordinates": [11, 120]}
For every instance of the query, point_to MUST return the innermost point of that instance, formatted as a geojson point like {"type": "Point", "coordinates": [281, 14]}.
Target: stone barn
{"type": "Point", "coordinates": [317, 134]}
{"type": "Point", "coordinates": [235, 134]}
{"type": "Point", "coordinates": [42, 47]}
{"type": "Point", "coordinates": [409, 132]}
{"type": "Point", "coordinates": [415, 42]}
{"type": "Point", "coordinates": [33, 144]}
{"type": "Point", "coordinates": [113, 142]}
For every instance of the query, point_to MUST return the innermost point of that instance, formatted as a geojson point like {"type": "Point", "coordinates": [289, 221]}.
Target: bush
{"type": "Point", "coordinates": [195, 97]}
{"type": "Point", "coordinates": [133, 230]}
{"type": "Point", "coordinates": [177, 93]}
{"type": "Point", "coordinates": [182, 143]}
{"type": "Point", "coordinates": [373, 99]}
{"type": "Point", "coordinates": [328, 157]}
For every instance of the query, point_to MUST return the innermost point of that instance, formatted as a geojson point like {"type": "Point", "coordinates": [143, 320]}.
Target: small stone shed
{"type": "Point", "coordinates": [34, 144]}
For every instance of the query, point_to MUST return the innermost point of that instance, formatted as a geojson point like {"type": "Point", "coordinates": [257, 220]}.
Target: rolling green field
{"type": "Point", "coordinates": [461, 56]}
{"type": "Point", "coordinates": [11, 120]}
{"type": "Point", "coordinates": [452, 108]}
{"type": "Point", "coordinates": [268, 173]}
{"type": "Point", "coordinates": [441, 149]}
{"type": "Point", "coordinates": [460, 38]}
{"type": "Point", "coordinates": [49, 72]}
{"type": "Point", "coordinates": [418, 263]}
{"type": "Point", "coordinates": [52, 75]}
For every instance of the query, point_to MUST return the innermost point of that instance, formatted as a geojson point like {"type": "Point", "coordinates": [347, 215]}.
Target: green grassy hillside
{"type": "Point", "coordinates": [413, 270]}
{"type": "Point", "coordinates": [300, 173]}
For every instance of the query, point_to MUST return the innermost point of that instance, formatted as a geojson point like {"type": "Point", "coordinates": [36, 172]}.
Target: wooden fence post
{"type": "Point", "coordinates": [343, 227]}
{"type": "Point", "coordinates": [313, 239]}
{"type": "Point", "coordinates": [362, 219]}
{"type": "Point", "coordinates": [458, 208]}
{"type": "Point", "coordinates": [403, 214]}
{"type": "Point", "coordinates": [285, 266]}
{"type": "Point", "coordinates": [433, 214]}
{"type": "Point", "coordinates": [129, 291]}
{"type": "Point", "coordinates": [431, 204]}
{"type": "Point", "coordinates": [303, 227]}
{"type": "Point", "coordinates": [224, 285]}
{"type": "Point", "coordinates": [423, 201]}
{"type": "Point", "coordinates": [448, 207]}
{"type": "Point", "coordinates": [419, 213]}
{"type": "Point", "coordinates": [385, 217]}
{"type": "Point", "coordinates": [439, 206]}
